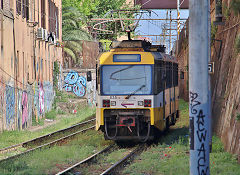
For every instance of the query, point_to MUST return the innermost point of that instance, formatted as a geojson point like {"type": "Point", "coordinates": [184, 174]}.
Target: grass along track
{"type": "Point", "coordinates": [87, 160]}
{"type": "Point", "coordinates": [170, 155]}
{"type": "Point", "coordinates": [106, 161]}
{"type": "Point", "coordinates": [56, 158]}
{"type": "Point", "coordinates": [114, 168]}
{"type": "Point", "coordinates": [47, 138]}
{"type": "Point", "coordinates": [51, 143]}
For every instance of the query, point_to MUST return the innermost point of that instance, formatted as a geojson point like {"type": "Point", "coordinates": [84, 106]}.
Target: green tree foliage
{"type": "Point", "coordinates": [77, 14]}
{"type": "Point", "coordinates": [55, 74]}
{"type": "Point", "coordinates": [74, 29]}
{"type": "Point", "coordinates": [235, 5]}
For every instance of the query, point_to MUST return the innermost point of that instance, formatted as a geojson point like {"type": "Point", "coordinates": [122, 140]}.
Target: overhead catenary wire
{"type": "Point", "coordinates": [19, 89]}
{"type": "Point", "coordinates": [14, 78]}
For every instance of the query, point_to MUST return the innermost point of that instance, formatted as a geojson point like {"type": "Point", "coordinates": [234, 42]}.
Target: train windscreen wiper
{"type": "Point", "coordinates": [135, 91]}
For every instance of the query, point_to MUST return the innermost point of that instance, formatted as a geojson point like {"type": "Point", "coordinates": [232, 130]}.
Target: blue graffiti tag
{"type": "Point", "coordinates": [75, 83]}
{"type": "Point", "coordinates": [10, 105]}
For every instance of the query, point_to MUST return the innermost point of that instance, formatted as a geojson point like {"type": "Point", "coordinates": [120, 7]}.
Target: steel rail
{"type": "Point", "coordinates": [87, 160]}
{"type": "Point", "coordinates": [122, 161]}
{"type": "Point", "coordinates": [47, 144]}
{"type": "Point", "coordinates": [24, 144]}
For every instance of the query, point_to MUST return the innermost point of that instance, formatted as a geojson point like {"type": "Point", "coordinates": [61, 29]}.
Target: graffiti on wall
{"type": "Point", "coordinates": [49, 95]}
{"type": "Point", "coordinates": [91, 94]}
{"type": "Point", "coordinates": [41, 99]}
{"type": "Point", "coordinates": [2, 105]}
{"type": "Point", "coordinates": [75, 83]}
{"type": "Point", "coordinates": [10, 105]}
{"type": "Point", "coordinates": [19, 109]}
{"type": "Point", "coordinates": [24, 109]}
{"type": "Point", "coordinates": [30, 94]}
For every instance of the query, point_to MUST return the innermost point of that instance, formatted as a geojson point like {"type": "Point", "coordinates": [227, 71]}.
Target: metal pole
{"type": "Point", "coordinates": [209, 83]}
{"type": "Point", "coordinates": [198, 86]}
{"type": "Point", "coordinates": [178, 26]}
{"type": "Point", "coordinates": [178, 16]}
{"type": "Point", "coordinates": [170, 37]}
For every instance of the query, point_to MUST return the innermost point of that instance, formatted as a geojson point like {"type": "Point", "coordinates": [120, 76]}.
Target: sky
{"type": "Point", "coordinates": [155, 27]}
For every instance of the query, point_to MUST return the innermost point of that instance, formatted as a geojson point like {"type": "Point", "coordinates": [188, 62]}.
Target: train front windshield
{"type": "Point", "coordinates": [126, 79]}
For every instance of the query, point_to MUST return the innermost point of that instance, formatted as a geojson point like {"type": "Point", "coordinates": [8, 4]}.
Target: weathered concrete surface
{"type": "Point", "coordinates": [225, 81]}
{"type": "Point", "coordinates": [226, 84]}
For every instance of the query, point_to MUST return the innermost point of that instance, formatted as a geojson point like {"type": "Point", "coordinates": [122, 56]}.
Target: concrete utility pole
{"type": "Point", "coordinates": [198, 86]}
{"type": "Point", "coordinates": [209, 84]}
{"type": "Point", "coordinates": [170, 37]}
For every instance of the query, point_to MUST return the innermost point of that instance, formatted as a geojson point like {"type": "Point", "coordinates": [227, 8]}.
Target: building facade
{"type": "Point", "coordinates": [31, 33]}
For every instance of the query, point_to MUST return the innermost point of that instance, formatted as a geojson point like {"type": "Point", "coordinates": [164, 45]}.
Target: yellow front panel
{"type": "Point", "coordinates": [107, 58]}
{"type": "Point", "coordinates": [98, 118]}
{"type": "Point", "coordinates": [156, 116]}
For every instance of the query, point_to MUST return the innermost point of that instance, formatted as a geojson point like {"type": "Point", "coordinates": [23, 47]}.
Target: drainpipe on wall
{"type": "Point", "coordinates": [15, 72]}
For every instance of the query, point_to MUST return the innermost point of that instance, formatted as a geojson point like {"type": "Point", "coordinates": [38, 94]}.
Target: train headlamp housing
{"type": "Point", "coordinates": [113, 103]}
{"type": "Point", "coordinates": [147, 103]}
{"type": "Point", "coordinates": [106, 103]}
{"type": "Point", "coordinates": [140, 103]}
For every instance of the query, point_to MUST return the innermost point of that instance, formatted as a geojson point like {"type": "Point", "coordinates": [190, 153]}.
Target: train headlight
{"type": "Point", "coordinates": [147, 103]}
{"type": "Point", "coordinates": [113, 103]}
{"type": "Point", "coordinates": [140, 103]}
{"type": "Point", "coordinates": [106, 103]}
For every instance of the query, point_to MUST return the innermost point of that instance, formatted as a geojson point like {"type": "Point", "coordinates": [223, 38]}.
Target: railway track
{"type": "Point", "coordinates": [48, 140]}
{"type": "Point", "coordinates": [112, 169]}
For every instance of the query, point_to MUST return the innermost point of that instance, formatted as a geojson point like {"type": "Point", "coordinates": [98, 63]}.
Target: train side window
{"type": "Point", "coordinates": [168, 75]}
{"type": "Point", "coordinates": [171, 75]}
{"type": "Point", "coordinates": [176, 74]}
{"type": "Point", "coordinates": [182, 75]}
{"type": "Point", "coordinates": [158, 79]}
{"type": "Point", "coordinates": [155, 80]}
{"type": "Point", "coordinates": [161, 72]}
{"type": "Point", "coordinates": [166, 71]}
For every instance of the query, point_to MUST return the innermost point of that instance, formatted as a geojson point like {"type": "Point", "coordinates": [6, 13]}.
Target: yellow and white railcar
{"type": "Point", "coordinates": [138, 91]}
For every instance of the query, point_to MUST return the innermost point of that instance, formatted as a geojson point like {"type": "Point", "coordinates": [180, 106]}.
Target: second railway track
{"type": "Point", "coordinates": [50, 139]}
{"type": "Point", "coordinates": [95, 160]}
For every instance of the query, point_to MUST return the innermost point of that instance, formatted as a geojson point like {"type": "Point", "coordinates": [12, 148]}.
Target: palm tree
{"type": "Point", "coordinates": [74, 31]}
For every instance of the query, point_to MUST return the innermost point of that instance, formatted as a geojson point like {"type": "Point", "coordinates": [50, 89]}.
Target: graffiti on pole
{"type": "Point", "coordinates": [194, 102]}
{"type": "Point", "coordinates": [75, 83]}
{"type": "Point", "coordinates": [201, 134]}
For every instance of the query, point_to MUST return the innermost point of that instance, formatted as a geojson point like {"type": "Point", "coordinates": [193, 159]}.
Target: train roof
{"type": "Point", "coordinates": [150, 53]}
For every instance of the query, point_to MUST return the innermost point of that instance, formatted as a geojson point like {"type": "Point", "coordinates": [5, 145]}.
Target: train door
{"type": "Point", "coordinates": [170, 89]}
{"type": "Point", "coordinates": [164, 76]}
{"type": "Point", "coordinates": [175, 77]}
